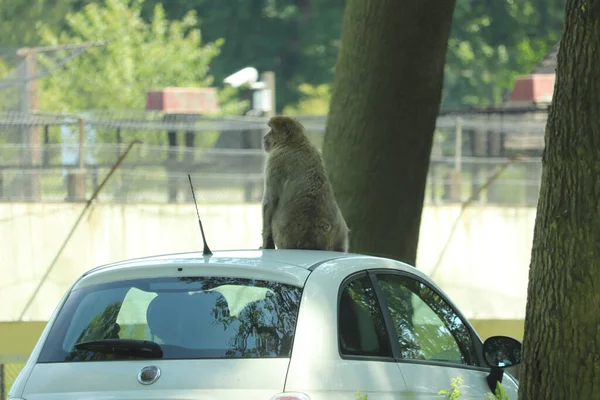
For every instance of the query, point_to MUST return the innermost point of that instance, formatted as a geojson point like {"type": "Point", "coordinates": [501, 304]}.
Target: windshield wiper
{"type": "Point", "coordinates": [128, 347]}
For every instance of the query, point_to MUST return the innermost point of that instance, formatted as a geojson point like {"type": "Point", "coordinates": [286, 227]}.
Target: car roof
{"type": "Point", "coordinates": [304, 259]}
{"type": "Point", "coordinates": [286, 265]}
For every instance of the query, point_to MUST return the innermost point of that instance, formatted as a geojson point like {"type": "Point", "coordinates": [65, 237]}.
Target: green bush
{"type": "Point", "coordinates": [500, 393]}
{"type": "Point", "coordinates": [360, 396]}
{"type": "Point", "coordinates": [454, 392]}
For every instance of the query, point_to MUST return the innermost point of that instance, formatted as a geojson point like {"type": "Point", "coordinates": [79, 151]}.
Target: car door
{"type": "Point", "coordinates": [341, 344]}
{"type": "Point", "coordinates": [368, 365]}
{"type": "Point", "coordinates": [432, 344]}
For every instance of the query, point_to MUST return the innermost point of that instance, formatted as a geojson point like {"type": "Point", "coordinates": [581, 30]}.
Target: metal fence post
{"type": "Point", "coordinates": [456, 174]}
{"type": "Point", "coordinates": [2, 383]}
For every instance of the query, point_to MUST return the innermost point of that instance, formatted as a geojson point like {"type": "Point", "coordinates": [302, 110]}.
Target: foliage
{"type": "Point", "coordinates": [19, 17]}
{"type": "Point", "coordinates": [315, 101]}
{"type": "Point", "coordinates": [137, 56]}
{"type": "Point", "coordinates": [457, 383]}
{"type": "Point", "coordinates": [490, 43]}
{"type": "Point", "coordinates": [6, 101]}
{"type": "Point", "coordinates": [454, 392]}
{"type": "Point", "coordinates": [298, 40]}
{"type": "Point", "coordinates": [493, 42]}
{"type": "Point", "coordinates": [500, 393]}
{"type": "Point", "coordinates": [229, 103]}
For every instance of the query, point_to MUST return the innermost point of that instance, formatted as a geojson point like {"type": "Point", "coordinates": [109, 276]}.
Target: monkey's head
{"type": "Point", "coordinates": [284, 130]}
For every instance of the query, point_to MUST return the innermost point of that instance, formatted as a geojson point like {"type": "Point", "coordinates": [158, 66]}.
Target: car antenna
{"type": "Point", "coordinates": [206, 251]}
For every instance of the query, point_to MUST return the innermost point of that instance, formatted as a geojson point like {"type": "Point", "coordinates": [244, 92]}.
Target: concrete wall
{"type": "Point", "coordinates": [484, 270]}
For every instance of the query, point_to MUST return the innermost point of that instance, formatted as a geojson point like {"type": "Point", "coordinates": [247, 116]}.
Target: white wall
{"type": "Point", "coordinates": [484, 270]}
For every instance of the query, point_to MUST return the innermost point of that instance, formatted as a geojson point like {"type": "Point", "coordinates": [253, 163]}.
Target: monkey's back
{"type": "Point", "coordinates": [307, 215]}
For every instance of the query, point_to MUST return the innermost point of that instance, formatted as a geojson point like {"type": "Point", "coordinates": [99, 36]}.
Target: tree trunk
{"type": "Point", "coordinates": [561, 356]}
{"type": "Point", "coordinates": [385, 101]}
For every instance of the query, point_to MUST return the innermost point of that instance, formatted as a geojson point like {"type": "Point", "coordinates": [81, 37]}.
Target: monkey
{"type": "Point", "coordinates": [299, 209]}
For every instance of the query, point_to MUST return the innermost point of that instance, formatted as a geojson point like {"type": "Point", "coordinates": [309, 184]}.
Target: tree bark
{"type": "Point", "coordinates": [385, 101]}
{"type": "Point", "coordinates": [561, 345]}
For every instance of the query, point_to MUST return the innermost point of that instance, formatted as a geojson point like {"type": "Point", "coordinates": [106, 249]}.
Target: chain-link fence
{"type": "Point", "coordinates": [147, 174]}
{"type": "Point", "coordinates": [74, 153]}
{"type": "Point", "coordinates": [234, 176]}
{"type": "Point", "coordinates": [517, 182]}
{"type": "Point", "coordinates": [8, 374]}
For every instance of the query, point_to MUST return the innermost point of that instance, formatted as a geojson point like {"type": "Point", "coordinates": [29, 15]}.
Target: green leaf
{"type": "Point", "coordinates": [139, 55]}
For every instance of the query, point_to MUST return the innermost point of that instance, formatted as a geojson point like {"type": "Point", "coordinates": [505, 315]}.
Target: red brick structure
{"type": "Point", "coordinates": [183, 100]}
{"type": "Point", "coordinates": [538, 86]}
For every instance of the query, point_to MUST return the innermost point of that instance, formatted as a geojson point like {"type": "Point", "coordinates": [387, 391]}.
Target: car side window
{"type": "Point", "coordinates": [361, 328]}
{"type": "Point", "coordinates": [427, 327]}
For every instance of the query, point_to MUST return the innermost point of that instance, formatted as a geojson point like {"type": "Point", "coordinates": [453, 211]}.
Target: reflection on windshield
{"type": "Point", "coordinates": [189, 317]}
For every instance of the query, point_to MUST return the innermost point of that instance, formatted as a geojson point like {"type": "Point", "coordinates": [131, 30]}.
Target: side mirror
{"type": "Point", "coordinates": [500, 352]}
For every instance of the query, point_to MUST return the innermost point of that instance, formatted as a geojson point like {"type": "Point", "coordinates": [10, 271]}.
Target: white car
{"type": "Point", "coordinates": [260, 324]}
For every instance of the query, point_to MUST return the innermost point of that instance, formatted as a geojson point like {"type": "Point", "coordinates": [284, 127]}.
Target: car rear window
{"type": "Point", "coordinates": [190, 318]}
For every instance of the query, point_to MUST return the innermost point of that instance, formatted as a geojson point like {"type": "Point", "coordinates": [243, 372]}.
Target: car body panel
{"type": "Point", "coordinates": [426, 380]}
{"type": "Point", "coordinates": [329, 376]}
{"type": "Point", "coordinates": [377, 379]}
{"type": "Point", "coordinates": [300, 258]}
{"type": "Point", "coordinates": [179, 379]}
{"type": "Point", "coordinates": [288, 274]}
{"type": "Point", "coordinates": [242, 264]}
{"type": "Point", "coordinates": [22, 378]}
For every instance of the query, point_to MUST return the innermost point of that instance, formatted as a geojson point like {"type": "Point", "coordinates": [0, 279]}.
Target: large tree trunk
{"type": "Point", "coordinates": [385, 101]}
{"type": "Point", "coordinates": [561, 356]}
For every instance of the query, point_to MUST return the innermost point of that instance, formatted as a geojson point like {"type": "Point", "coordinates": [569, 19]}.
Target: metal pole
{"type": "Point", "coordinates": [268, 77]}
{"type": "Point", "coordinates": [456, 178]}
{"type": "Point", "coordinates": [26, 149]}
{"type": "Point", "coordinates": [458, 146]}
{"type": "Point", "coordinates": [45, 152]}
{"type": "Point", "coordinates": [2, 382]}
{"type": "Point", "coordinates": [81, 144]}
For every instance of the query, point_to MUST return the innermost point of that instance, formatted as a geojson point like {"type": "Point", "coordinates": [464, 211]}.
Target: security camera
{"type": "Point", "coordinates": [246, 76]}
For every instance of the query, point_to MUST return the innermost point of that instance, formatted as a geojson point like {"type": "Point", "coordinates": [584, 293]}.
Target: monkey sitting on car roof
{"type": "Point", "coordinates": [299, 208]}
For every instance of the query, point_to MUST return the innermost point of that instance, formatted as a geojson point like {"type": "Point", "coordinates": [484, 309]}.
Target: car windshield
{"type": "Point", "coordinates": [193, 317]}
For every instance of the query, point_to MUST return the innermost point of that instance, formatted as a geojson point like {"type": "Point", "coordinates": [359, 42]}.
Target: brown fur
{"type": "Point", "coordinates": [299, 207]}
